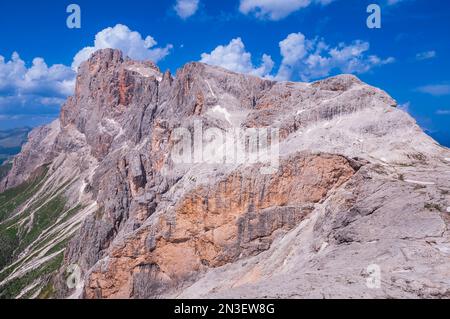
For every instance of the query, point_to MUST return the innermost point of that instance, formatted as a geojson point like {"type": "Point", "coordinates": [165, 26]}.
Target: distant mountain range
{"type": "Point", "coordinates": [11, 142]}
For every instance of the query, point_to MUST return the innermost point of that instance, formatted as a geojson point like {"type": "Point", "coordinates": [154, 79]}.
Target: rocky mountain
{"type": "Point", "coordinates": [352, 202]}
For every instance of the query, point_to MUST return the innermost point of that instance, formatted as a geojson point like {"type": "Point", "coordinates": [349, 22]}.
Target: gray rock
{"type": "Point", "coordinates": [360, 185]}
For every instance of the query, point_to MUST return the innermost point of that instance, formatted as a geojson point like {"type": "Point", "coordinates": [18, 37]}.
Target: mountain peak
{"type": "Point", "coordinates": [349, 176]}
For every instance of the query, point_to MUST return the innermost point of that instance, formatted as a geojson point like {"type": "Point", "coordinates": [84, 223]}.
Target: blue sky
{"type": "Point", "coordinates": [281, 39]}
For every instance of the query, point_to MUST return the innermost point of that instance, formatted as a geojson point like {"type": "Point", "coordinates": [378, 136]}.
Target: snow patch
{"type": "Point", "coordinates": [222, 112]}
{"type": "Point", "coordinates": [210, 89]}
{"type": "Point", "coordinates": [323, 247]}
{"type": "Point", "coordinates": [145, 72]}
{"type": "Point", "coordinates": [419, 182]}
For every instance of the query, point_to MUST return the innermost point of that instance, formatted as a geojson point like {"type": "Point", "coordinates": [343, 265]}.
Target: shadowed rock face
{"type": "Point", "coordinates": [358, 184]}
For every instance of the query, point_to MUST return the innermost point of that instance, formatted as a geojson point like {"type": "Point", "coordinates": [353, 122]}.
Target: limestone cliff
{"type": "Point", "coordinates": [357, 183]}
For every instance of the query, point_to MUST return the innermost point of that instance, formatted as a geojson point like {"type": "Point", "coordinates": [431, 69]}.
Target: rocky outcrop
{"type": "Point", "coordinates": [217, 224]}
{"type": "Point", "coordinates": [37, 152]}
{"type": "Point", "coordinates": [358, 183]}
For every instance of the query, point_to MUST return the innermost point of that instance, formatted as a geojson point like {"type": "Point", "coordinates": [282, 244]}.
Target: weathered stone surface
{"type": "Point", "coordinates": [217, 224]}
{"type": "Point", "coordinates": [359, 183]}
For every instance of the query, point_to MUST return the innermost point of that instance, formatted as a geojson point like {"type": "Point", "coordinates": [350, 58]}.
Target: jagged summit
{"type": "Point", "coordinates": [341, 82]}
{"type": "Point", "coordinates": [357, 180]}
{"type": "Point", "coordinates": [107, 57]}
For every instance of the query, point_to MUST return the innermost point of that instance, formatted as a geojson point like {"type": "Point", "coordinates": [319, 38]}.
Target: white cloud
{"type": "Point", "coordinates": [186, 8]}
{"type": "Point", "coordinates": [40, 89]}
{"type": "Point", "coordinates": [34, 88]}
{"type": "Point", "coordinates": [276, 9]}
{"type": "Point", "coordinates": [234, 57]}
{"type": "Point", "coordinates": [436, 90]}
{"type": "Point", "coordinates": [15, 76]}
{"type": "Point", "coordinates": [443, 112]}
{"type": "Point", "coordinates": [394, 2]}
{"type": "Point", "coordinates": [279, 9]}
{"type": "Point", "coordinates": [405, 107]}
{"type": "Point", "coordinates": [310, 59]}
{"type": "Point", "coordinates": [131, 43]}
{"type": "Point", "coordinates": [426, 55]}
{"type": "Point", "coordinates": [301, 59]}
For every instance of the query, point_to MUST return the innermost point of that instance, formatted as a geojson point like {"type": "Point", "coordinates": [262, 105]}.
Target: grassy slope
{"type": "Point", "coordinates": [14, 238]}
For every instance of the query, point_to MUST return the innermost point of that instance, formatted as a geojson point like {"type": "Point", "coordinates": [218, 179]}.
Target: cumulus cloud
{"type": "Point", "coordinates": [36, 88]}
{"type": "Point", "coordinates": [426, 55]}
{"type": "Point", "coordinates": [394, 2]}
{"type": "Point", "coordinates": [313, 58]}
{"type": "Point", "coordinates": [39, 88]}
{"type": "Point", "coordinates": [443, 112]}
{"type": "Point", "coordinates": [186, 8]}
{"type": "Point", "coordinates": [302, 58]}
{"type": "Point", "coordinates": [435, 89]}
{"type": "Point", "coordinates": [131, 43]}
{"type": "Point", "coordinates": [276, 9]}
{"type": "Point", "coordinates": [234, 57]}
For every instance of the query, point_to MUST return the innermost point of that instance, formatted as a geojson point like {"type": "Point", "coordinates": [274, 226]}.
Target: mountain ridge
{"type": "Point", "coordinates": [357, 179]}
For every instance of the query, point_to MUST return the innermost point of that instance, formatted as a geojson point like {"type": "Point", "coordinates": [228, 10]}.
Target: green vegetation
{"type": "Point", "coordinates": [18, 232]}
{"type": "Point", "coordinates": [72, 213]}
{"type": "Point", "coordinates": [48, 292]}
{"type": "Point", "coordinates": [10, 201]}
{"type": "Point", "coordinates": [14, 287]}
{"type": "Point", "coordinates": [13, 198]}
{"type": "Point", "coordinates": [9, 239]}
{"type": "Point", "coordinates": [44, 217]}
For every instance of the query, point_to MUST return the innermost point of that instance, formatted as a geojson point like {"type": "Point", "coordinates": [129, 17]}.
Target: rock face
{"type": "Point", "coordinates": [357, 186]}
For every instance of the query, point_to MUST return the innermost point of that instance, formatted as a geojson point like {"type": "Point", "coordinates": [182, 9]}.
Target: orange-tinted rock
{"type": "Point", "coordinates": [238, 216]}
